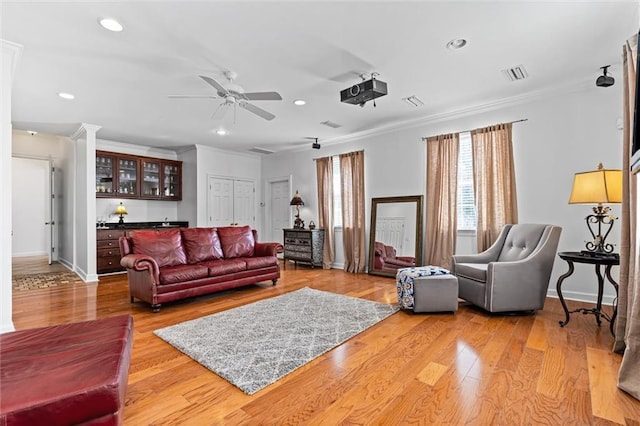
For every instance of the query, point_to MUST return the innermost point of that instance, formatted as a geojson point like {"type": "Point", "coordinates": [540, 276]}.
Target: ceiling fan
{"type": "Point", "coordinates": [234, 95]}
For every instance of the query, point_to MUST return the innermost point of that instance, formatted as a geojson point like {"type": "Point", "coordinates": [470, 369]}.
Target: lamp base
{"type": "Point", "coordinates": [298, 223]}
{"type": "Point", "coordinates": [600, 217]}
{"type": "Point", "coordinates": [121, 221]}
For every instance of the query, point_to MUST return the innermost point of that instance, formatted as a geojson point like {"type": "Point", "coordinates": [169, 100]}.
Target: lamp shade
{"type": "Point", "coordinates": [296, 200]}
{"type": "Point", "coordinates": [120, 209]}
{"type": "Point", "coordinates": [599, 186]}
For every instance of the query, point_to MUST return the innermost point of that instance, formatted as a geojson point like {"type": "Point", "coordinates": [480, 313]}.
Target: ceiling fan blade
{"type": "Point", "coordinates": [219, 87]}
{"type": "Point", "coordinates": [257, 111]}
{"type": "Point", "coordinates": [192, 97]}
{"type": "Point", "coordinates": [262, 96]}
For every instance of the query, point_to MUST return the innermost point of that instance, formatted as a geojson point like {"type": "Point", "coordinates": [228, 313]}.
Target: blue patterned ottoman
{"type": "Point", "coordinates": [427, 289]}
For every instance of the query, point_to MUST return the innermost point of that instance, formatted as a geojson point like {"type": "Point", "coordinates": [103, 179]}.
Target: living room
{"type": "Point", "coordinates": [570, 127]}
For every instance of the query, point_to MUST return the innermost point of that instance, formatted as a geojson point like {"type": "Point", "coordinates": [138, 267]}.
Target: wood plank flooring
{"type": "Point", "coordinates": [468, 368]}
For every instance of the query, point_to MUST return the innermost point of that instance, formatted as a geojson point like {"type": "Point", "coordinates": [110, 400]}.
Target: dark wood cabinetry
{"type": "Point", "coordinates": [304, 245]}
{"type": "Point", "coordinates": [108, 250]}
{"type": "Point", "coordinates": [132, 176]}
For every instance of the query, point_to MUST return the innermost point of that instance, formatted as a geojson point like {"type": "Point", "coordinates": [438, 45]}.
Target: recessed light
{"type": "Point", "coordinates": [64, 95]}
{"type": "Point", "coordinates": [221, 132]}
{"type": "Point", "coordinates": [456, 43]}
{"type": "Point", "coordinates": [110, 24]}
{"type": "Point", "coordinates": [299, 102]}
{"type": "Point", "coordinates": [32, 132]}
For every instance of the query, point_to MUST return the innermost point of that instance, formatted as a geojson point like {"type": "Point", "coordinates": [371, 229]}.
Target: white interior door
{"type": "Point", "coordinates": [243, 203]}
{"type": "Point", "coordinates": [279, 211]}
{"type": "Point", "coordinates": [31, 207]}
{"type": "Point", "coordinates": [230, 202]}
{"type": "Point", "coordinates": [220, 202]}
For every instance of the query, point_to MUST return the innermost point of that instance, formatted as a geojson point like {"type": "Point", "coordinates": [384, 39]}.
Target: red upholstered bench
{"type": "Point", "coordinates": [66, 374]}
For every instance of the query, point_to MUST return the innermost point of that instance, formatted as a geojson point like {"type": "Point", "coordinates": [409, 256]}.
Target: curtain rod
{"type": "Point", "coordinates": [464, 131]}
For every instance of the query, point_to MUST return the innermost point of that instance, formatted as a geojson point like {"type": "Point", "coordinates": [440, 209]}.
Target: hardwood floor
{"type": "Point", "coordinates": [467, 368]}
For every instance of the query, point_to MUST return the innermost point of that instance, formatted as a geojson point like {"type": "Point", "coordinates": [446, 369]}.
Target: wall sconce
{"type": "Point", "coordinates": [599, 186]}
{"type": "Point", "coordinates": [297, 201]}
{"type": "Point", "coordinates": [121, 210]}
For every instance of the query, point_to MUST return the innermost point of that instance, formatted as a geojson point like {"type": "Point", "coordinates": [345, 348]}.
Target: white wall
{"type": "Point", "coordinates": [565, 133]}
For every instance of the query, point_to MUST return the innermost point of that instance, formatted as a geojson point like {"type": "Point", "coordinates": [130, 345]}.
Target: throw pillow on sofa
{"type": "Point", "coordinates": [201, 244]}
{"type": "Point", "coordinates": [236, 241]}
{"type": "Point", "coordinates": [165, 246]}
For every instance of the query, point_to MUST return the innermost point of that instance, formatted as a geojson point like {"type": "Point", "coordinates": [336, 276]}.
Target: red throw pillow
{"type": "Point", "coordinates": [165, 246]}
{"type": "Point", "coordinates": [236, 241]}
{"type": "Point", "coordinates": [201, 244]}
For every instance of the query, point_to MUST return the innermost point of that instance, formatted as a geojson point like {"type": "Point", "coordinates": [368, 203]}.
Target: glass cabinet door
{"type": "Point", "coordinates": [127, 177]}
{"type": "Point", "coordinates": [150, 178]}
{"type": "Point", "coordinates": [105, 166]}
{"type": "Point", "coordinates": [171, 184]}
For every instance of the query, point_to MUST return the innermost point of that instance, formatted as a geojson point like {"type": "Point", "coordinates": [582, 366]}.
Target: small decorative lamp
{"type": "Point", "coordinates": [121, 210]}
{"type": "Point", "coordinates": [297, 201]}
{"type": "Point", "coordinates": [599, 186]}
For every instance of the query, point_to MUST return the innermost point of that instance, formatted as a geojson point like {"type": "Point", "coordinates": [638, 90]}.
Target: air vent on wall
{"type": "Point", "coordinates": [258, 150]}
{"type": "Point", "coordinates": [515, 73]}
{"type": "Point", "coordinates": [331, 124]}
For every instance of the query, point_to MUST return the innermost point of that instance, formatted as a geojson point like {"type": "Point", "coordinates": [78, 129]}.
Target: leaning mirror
{"type": "Point", "coordinates": [395, 239]}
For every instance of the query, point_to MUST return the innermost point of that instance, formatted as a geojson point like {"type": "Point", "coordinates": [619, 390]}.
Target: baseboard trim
{"type": "Point", "coordinates": [578, 296]}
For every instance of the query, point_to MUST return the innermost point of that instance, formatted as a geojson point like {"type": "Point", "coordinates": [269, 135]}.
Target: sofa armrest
{"type": "Point", "coordinates": [141, 262]}
{"type": "Point", "coordinates": [267, 249]}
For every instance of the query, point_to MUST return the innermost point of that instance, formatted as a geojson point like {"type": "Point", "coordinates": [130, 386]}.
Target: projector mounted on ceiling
{"type": "Point", "coordinates": [367, 90]}
{"type": "Point", "coordinates": [605, 80]}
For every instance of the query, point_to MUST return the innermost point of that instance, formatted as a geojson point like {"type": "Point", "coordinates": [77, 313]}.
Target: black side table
{"type": "Point", "coordinates": [606, 260]}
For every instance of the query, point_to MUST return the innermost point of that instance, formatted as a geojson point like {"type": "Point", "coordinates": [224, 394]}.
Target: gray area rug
{"type": "Point", "coordinates": [254, 345]}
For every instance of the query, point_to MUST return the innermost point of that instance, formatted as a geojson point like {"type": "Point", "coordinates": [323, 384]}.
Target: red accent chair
{"type": "Point", "coordinates": [386, 260]}
{"type": "Point", "coordinates": [68, 374]}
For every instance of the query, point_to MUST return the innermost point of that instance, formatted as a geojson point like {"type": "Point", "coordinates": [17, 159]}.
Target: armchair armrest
{"type": "Point", "coordinates": [397, 262]}
{"type": "Point", "coordinates": [141, 262]}
{"type": "Point", "coordinates": [267, 249]}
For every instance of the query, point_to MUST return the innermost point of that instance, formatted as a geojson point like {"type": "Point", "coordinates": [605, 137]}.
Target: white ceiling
{"type": "Point", "coordinates": [301, 49]}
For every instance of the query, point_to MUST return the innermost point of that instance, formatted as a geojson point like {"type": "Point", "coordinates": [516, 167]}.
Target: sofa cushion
{"type": "Point", "coordinates": [181, 273]}
{"type": "Point", "coordinates": [473, 271]}
{"type": "Point", "coordinates": [201, 244]}
{"type": "Point", "coordinates": [260, 262]}
{"type": "Point", "coordinates": [236, 241]}
{"type": "Point", "coordinates": [165, 246]}
{"type": "Point", "coordinates": [225, 266]}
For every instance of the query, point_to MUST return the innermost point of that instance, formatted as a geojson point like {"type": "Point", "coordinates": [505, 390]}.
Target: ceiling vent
{"type": "Point", "coordinates": [413, 101]}
{"type": "Point", "coordinates": [258, 150]}
{"type": "Point", "coordinates": [515, 73]}
{"type": "Point", "coordinates": [331, 124]}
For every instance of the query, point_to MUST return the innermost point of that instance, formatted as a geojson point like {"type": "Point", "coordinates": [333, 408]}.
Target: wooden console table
{"type": "Point", "coordinates": [607, 261]}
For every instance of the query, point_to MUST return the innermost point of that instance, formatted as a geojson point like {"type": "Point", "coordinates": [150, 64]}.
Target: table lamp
{"type": "Point", "coordinates": [598, 187]}
{"type": "Point", "coordinates": [121, 210]}
{"type": "Point", "coordinates": [297, 201]}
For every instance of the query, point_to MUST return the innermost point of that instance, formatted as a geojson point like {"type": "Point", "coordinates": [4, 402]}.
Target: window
{"type": "Point", "coordinates": [337, 193]}
{"type": "Point", "coordinates": [466, 202]}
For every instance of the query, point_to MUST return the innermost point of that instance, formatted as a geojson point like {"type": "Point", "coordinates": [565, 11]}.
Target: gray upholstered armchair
{"type": "Point", "coordinates": [513, 274]}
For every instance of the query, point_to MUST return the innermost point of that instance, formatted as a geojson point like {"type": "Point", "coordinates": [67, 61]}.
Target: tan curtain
{"type": "Point", "coordinates": [353, 214]}
{"type": "Point", "coordinates": [324, 176]}
{"type": "Point", "coordinates": [494, 182]}
{"type": "Point", "coordinates": [442, 199]}
{"type": "Point", "coordinates": [627, 325]}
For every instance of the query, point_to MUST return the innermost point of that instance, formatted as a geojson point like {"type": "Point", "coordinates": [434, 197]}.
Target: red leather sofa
{"type": "Point", "coordinates": [386, 259]}
{"type": "Point", "coordinates": [69, 374]}
{"type": "Point", "coordinates": [173, 264]}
